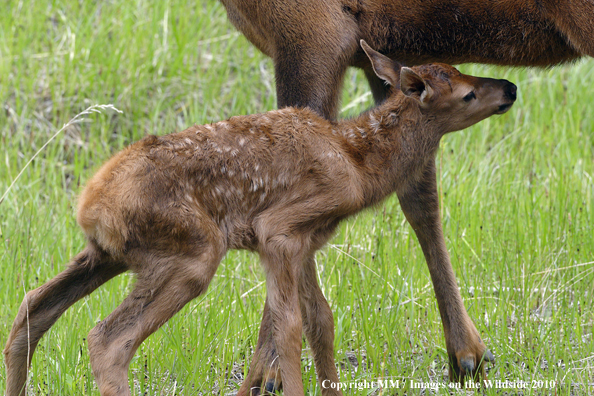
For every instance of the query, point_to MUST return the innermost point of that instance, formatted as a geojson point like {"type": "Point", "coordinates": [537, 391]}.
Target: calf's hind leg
{"type": "Point", "coordinates": [43, 306]}
{"type": "Point", "coordinates": [163, 287]}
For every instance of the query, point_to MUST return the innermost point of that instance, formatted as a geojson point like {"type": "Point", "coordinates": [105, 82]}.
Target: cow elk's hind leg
{"type": "Point", "coordinates": [306, 76]}
{"type": "Point", "coordinates": [318, 324]}
{"type": "Point", "coordinates": [300, 83]}
{"type": "Point", "coordinates": [43, 306]}
{"type": "Point", "coordinates": [466, 350]}
{"type": "Point", "coordinates": [164, 286]}
{"type": "Point", "coordinates": [576, 20]}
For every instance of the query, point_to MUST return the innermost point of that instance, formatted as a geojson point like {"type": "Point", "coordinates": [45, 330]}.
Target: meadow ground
{"type": "Point", "coordinates": [516, 193]}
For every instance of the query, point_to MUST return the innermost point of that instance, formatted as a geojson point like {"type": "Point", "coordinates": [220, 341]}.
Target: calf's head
{"type": "Point", "coordinates": [446, 96]}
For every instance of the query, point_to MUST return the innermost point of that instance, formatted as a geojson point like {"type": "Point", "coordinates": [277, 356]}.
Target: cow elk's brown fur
{"type": "Point", "coordinates": [313, 42]}
{"type": "Point", "coordinates": [278, 183]}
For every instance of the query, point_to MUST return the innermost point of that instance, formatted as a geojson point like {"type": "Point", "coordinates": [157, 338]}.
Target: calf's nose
{"type": "Point", "coordinates": [510, 90]}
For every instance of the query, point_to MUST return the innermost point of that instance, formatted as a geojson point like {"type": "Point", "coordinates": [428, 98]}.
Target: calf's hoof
{"type": "Point", "coordinates": [267, 383]}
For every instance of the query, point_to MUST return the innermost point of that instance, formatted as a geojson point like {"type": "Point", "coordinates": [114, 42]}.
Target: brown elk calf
{"type": "Point", "coordinates": [278, 183]}
{"type": "Point", "coordinates": [313, 42]}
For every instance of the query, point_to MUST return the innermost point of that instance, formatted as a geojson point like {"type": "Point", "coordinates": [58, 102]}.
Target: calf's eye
{"type": "Point", "coordinates": [469, 97]}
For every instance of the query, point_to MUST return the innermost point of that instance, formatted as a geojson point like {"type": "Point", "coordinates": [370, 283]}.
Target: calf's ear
{"type": "Point", "coordinates": [384, 67]}
{"type": "Point", "coordinates": [414, 86]}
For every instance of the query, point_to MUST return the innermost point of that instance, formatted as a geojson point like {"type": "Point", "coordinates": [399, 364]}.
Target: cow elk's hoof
{"type": "Point", "coordinates": [469, 365]}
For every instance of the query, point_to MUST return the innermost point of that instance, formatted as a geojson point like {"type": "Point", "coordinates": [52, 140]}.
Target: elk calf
{"type": "Point", "coordinates": [169, 207]}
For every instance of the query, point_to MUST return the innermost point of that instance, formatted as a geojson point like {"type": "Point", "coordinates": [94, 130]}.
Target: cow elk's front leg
{"type": "Point", "coordinates": [465, 348]}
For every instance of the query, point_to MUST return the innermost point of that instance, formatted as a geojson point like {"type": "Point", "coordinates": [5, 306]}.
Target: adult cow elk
{"type": "Point", "coordinates": [313, 42]}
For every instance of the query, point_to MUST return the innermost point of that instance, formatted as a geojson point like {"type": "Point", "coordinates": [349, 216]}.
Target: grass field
{"type": "Point", "coordinates": [517, 201]}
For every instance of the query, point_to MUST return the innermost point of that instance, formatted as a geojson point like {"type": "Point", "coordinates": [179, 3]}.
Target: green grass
{"type": "Point", "coordinates": [517, 195]}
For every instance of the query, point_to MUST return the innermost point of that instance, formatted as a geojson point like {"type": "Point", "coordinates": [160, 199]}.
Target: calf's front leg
{"type": "Point", "coordinates": [282, 280]}
{"type": "Point", "coordinates": [318, 325]}
{"type": "Point", "coordinates": [465, 348]}
{"type": "Point", "coordinates": [264, 372]}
